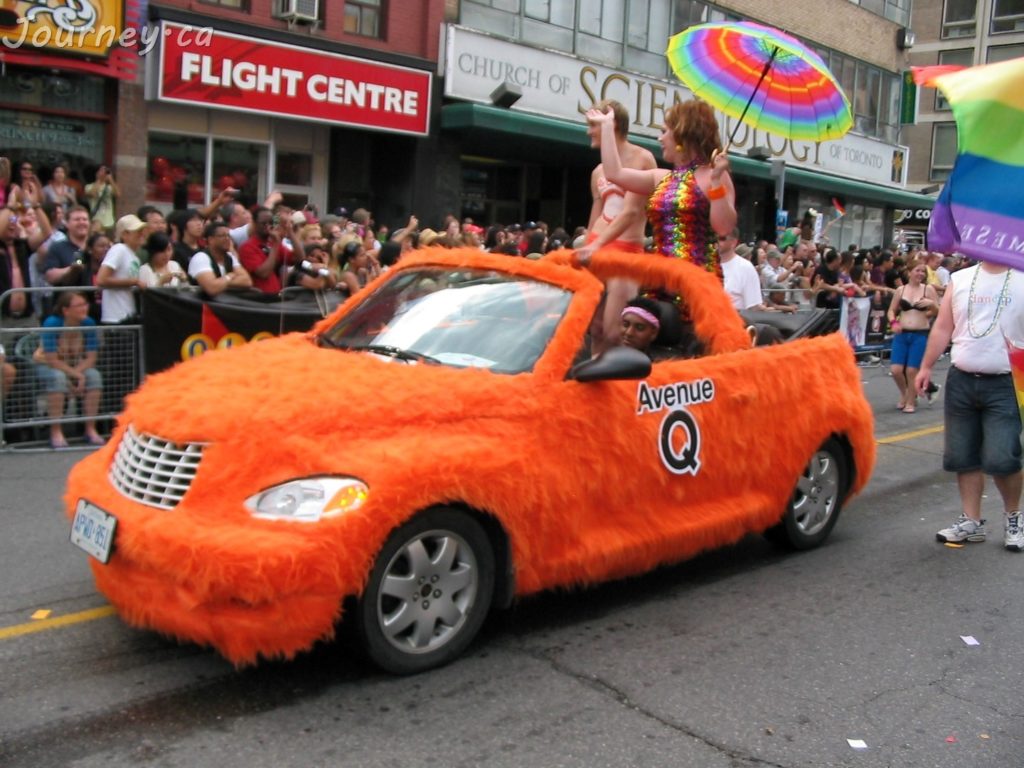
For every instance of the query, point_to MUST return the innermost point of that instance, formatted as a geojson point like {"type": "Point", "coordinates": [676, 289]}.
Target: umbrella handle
{"type": "Point", "coordinates": [764, 73]}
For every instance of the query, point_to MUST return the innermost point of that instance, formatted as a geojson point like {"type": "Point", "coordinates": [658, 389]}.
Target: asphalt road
{"type": "Point", "coordinates": [744, 657]}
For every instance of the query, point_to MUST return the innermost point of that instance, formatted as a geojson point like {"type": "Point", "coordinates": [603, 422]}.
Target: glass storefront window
{"type": "Point", "coordinates": [239, 164]}
{"type": "Point", "coordinates": [176, 170]}
{"type": "Point", "coordinates": [48, 139]}
{"type": "Point", "coordinates": [294, 168]}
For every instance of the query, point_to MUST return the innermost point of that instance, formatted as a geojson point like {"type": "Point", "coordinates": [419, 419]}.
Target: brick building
{"type": "Point", "coordinates": [961, 32]}
{"type": "Point", "coordinates": [530, 158]}
{"type": "Point", "coordinates": [264, 94]}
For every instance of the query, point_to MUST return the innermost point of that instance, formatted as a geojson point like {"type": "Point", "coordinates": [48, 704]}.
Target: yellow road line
{"type": "Point", "coordinates": [72, 618]}
{"type": "Point", "coordinates": [910, 435]}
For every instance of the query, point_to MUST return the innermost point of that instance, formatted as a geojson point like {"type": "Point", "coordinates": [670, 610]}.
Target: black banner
{"type": "Point", "coordinates": [178, 325]}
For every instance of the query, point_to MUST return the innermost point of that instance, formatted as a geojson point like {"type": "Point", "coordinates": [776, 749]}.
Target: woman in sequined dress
{"type": "Point", "coordinates": [692, 204]}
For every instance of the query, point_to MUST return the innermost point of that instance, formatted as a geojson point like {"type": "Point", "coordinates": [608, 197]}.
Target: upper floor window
{"type": "Point", "coordinates": [364, 17]}
{"type": "Point", "coordinates": [943, 150]}
{"type": "Point", "coordinates": [1004, 53]}
{"type": "Point", "coordinates": [1007, 16]}
{"type": "Point", "coordinates": [242, 5]}
{"type": "Point", "coordinates": [959, 18]}
{"type": "Point", "coordinates": [633, 35]}
{"type": "Point", "coordinates": [963, 57]}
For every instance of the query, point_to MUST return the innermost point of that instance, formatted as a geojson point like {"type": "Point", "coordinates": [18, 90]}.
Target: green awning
{"type": "Point", "coordinates": [465, 115]}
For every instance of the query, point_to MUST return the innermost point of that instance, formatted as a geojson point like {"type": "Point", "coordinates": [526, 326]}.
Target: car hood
{"type": "Point", "coordinates": [289, 385]}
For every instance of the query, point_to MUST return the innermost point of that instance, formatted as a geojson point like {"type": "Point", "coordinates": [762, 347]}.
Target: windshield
{"type": "Point", "coordinates": [463, 318]}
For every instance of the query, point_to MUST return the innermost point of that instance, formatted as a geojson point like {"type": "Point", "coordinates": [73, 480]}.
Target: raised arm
{"type": "Point", "coordinates": [642, 182]}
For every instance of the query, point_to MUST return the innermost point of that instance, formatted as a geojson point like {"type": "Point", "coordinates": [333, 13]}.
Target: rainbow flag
{"type": "Point", "coordinates": [840, 210]}
{"type": "Point", "coordinates": [980, 211]}
{"type": "Point", "coordinates": [1017, 369]}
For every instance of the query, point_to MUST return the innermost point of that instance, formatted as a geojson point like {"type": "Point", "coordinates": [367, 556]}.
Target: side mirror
{"type": "Point", "coordinates": [616, 363]}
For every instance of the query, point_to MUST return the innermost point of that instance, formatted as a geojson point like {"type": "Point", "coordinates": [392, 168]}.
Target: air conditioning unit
{"type": "Point", "coordinates": [298, 10]}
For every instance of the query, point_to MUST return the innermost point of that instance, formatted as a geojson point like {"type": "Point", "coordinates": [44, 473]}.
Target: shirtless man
{"type": "Point", "coordinates": [617, 218]}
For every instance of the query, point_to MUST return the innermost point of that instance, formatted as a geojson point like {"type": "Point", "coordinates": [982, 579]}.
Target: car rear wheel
{"type": "Point", "coordinates": [428, 594]}
{"type": "Point", "coordinates": [817, 500]}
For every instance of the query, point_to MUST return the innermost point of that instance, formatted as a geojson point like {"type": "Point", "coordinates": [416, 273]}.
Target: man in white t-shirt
{"type": "Point", "coordinates": [983, 306]}
{"type": "Point", "coordinates": [119, 273]}
{"type": "Point", "coordinates": [739, 277]}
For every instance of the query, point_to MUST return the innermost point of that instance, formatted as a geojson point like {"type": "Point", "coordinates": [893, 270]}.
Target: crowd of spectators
{"type": "Point", "coordinates": [60, 235]}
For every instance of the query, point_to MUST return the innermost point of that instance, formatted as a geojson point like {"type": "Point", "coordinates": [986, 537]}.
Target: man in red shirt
{"type": "Point", "coordinates": [264, 254]}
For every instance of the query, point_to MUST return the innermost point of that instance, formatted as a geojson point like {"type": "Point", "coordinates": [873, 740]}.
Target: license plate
{"type": "Point", "coordinates": [93, 530]}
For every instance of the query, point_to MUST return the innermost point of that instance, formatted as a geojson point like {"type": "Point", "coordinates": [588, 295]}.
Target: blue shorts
{"type": "Point", "coordinates": [982, 424]}
{"type": "Point", "coordinates": [53, 380]}
{"type": "Point", "coordinates": [908, 348]}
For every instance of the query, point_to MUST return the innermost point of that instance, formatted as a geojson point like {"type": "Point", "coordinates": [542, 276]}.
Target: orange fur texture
{"type": "Point", "coordinates": [571, 471]}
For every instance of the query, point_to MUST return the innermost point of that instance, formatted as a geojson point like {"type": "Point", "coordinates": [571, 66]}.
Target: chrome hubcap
{"type": "Point", "coordinates": [428, 589]}
{"type": "Point", "coordinates": [817, 494]}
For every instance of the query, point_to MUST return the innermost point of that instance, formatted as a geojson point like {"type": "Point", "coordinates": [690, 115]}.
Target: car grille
{"type": "Point", "coordinates": [154, 471]}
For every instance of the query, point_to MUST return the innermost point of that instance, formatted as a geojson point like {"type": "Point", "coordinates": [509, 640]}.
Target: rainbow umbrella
{"type": "Point", "coordinates": [728, 64]}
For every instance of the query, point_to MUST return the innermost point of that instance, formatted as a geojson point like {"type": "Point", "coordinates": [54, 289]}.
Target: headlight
{"type": "Point", "coordinates": [310, 499]}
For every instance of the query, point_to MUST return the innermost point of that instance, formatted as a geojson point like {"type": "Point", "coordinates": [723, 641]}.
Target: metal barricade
{"type": "Point", "coordinates": [39, 397]}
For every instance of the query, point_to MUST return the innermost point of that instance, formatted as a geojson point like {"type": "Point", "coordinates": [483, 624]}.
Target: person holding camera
{"type": "Point", "coordinates": [265, 252]}
{"type": "Point", "coordinates": [314, 272]}
{"type": "Point", "coordinates": [101, 196]}
{"type": "Point", "coordinates": [66, 260]}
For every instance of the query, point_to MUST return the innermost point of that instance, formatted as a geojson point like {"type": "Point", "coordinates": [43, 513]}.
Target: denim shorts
{"type": "Point", "coordinates": [982, 424]}
{"type": "Point", "coordinates": [908, 348]}
{"type": "Point", "coordinates": [53, 380]}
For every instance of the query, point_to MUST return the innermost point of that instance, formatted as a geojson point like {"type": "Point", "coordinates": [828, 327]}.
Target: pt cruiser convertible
{"type": "Point", "coordinates": [444, 443]}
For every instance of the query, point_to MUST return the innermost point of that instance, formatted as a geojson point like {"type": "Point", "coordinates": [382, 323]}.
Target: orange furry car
{"type": "Point", "coordinates": [443, 443]}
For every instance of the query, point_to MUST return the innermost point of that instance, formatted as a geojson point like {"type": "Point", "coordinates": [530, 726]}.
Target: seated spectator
{"type": "Point", "coordinates": [162, 271]}
{"type": "Point", "coordinates": [10, 373]}
{"type": "Point", "coordinates": [216, 270]}
{"type": "Point", "coordinates": [640, 323]}
{"type": "Point", "coordinates": [66, 364]}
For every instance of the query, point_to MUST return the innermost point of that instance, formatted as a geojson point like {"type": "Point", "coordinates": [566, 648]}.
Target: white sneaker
{"type": "Point", "coordinates": [1013, 538]}
{"type": "Point", "coordinates": [964, 529]}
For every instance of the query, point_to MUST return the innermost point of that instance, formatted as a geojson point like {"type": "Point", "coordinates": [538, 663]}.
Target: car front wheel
{"type": "Point", "coordinates": [817, 500]}
{"type": "Point", "coordinates": [428, 594]}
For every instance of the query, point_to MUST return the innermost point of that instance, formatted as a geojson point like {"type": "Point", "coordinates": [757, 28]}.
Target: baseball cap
{"type": "Point", "coordinates": [341, 212]}
{"type": "Point", "coordinates": [128, 223]}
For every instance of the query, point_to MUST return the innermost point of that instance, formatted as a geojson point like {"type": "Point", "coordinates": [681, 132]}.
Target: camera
{"type": "Point", "coordinates": [313, 270]}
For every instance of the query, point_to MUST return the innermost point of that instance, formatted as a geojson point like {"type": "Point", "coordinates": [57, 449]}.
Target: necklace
{"type": "Point", "coordinates": [1000, 303]}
